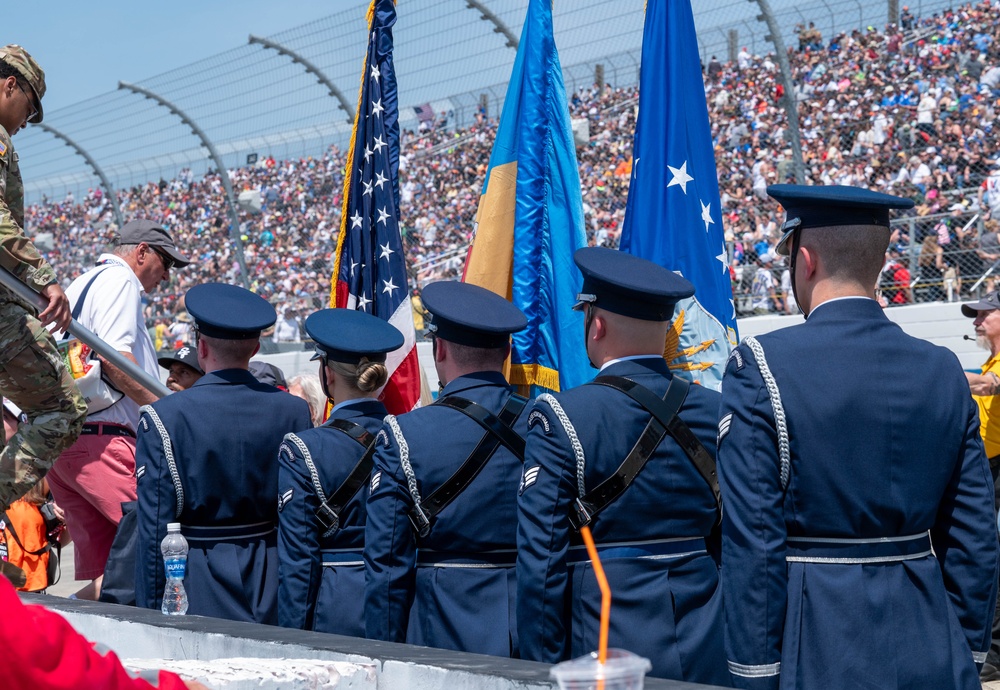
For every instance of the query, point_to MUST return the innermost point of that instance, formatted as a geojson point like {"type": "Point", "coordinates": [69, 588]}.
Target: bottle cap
{"type": "Point", "coordinates": [173, 527]}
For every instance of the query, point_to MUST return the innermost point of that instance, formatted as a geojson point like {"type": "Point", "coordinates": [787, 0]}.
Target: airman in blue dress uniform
{"type": "Point", "coordinates": [859, 542]}
{"type": "Point", "coordinates": [442, 514]}
{"type": "Point", "coordinates": [323, 476]}
{"type": "Point", "coordinates": [208, 458]}
{"type": "Point", "coordinates": [596, 455]}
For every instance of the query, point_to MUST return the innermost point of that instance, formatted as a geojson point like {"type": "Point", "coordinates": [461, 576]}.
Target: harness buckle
{"type": "Point", "coordinates": [580, 516]}
{"type": "Point", "coordinates": [328, 518]}
{"type": "Point", "coordinates": [418, 518]}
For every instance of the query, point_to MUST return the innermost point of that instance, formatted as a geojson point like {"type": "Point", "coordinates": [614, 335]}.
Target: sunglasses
{"type": "Point", "coordinates": [168, 262]}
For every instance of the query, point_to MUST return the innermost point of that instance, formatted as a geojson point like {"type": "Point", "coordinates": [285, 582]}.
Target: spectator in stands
{"type": "Point", "coordinates": [95, 475]}
{"type": "Point", "coordinates": [894, 281]}
{"type": "Point", "coordinates": [307, 387]}
{"type": "Point", "coordinates": [184, 368]}
{"type": "Point", "coordinates": [764, 288]}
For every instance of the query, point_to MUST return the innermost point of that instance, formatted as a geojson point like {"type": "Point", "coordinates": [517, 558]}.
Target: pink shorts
{"type": "Point", "coordinates": [90, 481]}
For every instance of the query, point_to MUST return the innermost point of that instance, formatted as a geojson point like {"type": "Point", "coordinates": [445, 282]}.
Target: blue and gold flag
{"type": "Point", "coordinates": [673, 215]}
{"type": "Point", "coordinates": [530, 218]}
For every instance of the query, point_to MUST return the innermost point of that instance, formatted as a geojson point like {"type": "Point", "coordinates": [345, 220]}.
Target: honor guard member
{"type": "Point", "coordinates": [208, 459]}
{"type": "Point", "coordinates": [442, 520]}
{"type": "Point", "coordinates": [630, 454]}
{"type": "Point", "coordinates": [32, 373]}
{"type": "Point", "coordinates": [323, 477]}
{"type": "Point", "coordinates": [859, 542]}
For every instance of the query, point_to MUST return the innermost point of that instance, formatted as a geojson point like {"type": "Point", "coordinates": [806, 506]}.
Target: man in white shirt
{"type": "Point", "coordinates": [94, 476]}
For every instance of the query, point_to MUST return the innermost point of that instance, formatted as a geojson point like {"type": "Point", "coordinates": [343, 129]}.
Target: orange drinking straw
{"type": "Point", "coordinates": [602, 582]}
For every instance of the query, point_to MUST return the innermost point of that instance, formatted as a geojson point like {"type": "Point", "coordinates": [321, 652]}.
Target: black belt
{"type": "Point", "coordinates": [502, 558]}
{"type": "Point", "coordinates": [106, 429]}
{"type": "Point", "coordinates": [227, 532]}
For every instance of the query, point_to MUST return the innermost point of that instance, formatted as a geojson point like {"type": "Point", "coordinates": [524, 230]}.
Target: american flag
{"type": "Point", "coordinates": [369, 270]}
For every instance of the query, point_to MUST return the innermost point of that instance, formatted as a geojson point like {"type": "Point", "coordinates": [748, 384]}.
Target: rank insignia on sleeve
{"type": "Point", "coordinates": [139, 471]}
{"type": "Point", "coordinates": [376, 480]}
{"type": "Point", "coordinates": [724, 425]}
{"type": "Point", "coordinates": [284, 498]}
{"type": "Point", "coordinates": [528, 478]}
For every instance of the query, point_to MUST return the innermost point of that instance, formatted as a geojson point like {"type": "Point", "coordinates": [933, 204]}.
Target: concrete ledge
{"type": "Point", "coordinates": [145, 634]}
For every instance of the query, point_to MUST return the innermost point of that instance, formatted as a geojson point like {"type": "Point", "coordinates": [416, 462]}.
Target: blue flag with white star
{"type": "Point", "coordinates": [673, 216]}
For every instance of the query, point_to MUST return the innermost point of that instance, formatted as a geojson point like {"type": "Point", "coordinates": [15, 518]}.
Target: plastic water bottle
{"type": "Point", "coordinates": [175, 551]}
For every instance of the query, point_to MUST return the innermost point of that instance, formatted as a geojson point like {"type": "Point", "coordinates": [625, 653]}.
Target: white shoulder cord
{"type": "Point", "coordinates": [780, 422]}
{"type": "Point", "coordinates": [404, 461]}
{"type": "Point", "coordinates": [308, 458]}
{"type": "Point", "coordinates": [168, 452]}
{"type": "Point", "coordinates": [574, 440]}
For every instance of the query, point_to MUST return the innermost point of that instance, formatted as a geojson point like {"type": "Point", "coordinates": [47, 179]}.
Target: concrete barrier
{"type": "Point", "coordinates": [149, 635]}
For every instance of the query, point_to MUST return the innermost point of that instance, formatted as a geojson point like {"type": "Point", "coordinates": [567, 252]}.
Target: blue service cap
{"type": "Point", "coordinates": [346, 335]}
{"type": "Point", "coordinates": [228, 312]}
{"type": "Point", "coordinates": [467, 314]}
{"type": "Point", "coordinates": [628, 285]}
{"type": "Point", "coordinates": [828, 206]}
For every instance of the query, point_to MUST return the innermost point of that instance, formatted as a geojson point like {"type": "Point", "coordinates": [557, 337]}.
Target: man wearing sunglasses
{"type": "Point", "coordinates": [96, 474]}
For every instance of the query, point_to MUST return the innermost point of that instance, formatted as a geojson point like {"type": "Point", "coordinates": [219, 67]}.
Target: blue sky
{"type": "Point", "coordinates": [86, 47]}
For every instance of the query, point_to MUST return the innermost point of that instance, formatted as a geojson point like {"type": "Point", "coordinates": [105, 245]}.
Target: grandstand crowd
{"type": "Point", "coordinates": [911, 110]}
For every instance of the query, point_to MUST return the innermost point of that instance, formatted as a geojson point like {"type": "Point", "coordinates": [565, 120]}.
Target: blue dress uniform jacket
{"type": "Point", "coordinates": [321, 580]}
{"type": "Point", "coordinates": [666, 598]}
{"type": "Point", "coordinates": [454, 588]}
{"type": "Point", "coordinates": [828, 573]}
{"type": "Point", "coordinates": [221, 437]}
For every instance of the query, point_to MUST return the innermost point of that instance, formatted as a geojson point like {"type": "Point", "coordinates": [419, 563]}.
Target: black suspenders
{"type": "Point", "coordinates": [328, 513]}
{"type": "Point", "coordinates": [498, 431]}
{"type": "Point", "coordinates": [664, 421]}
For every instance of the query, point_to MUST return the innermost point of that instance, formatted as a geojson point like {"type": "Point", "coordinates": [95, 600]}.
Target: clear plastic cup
{"type": "Point", "coordinates": [622, 671]}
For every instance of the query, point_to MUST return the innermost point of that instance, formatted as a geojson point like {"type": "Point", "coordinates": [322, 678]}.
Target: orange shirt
{"type": "Point", "coordinates": [30, 526]}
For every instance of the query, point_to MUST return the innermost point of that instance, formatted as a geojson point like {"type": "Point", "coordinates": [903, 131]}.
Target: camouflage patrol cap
{"type": "Point", "coordinates": [19, 58]}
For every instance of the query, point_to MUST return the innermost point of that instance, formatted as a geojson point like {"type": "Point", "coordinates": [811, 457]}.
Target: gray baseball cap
{"type": "Point", "coordinates": [153, 234]}
{"type": "Point", "coordinates": [988, 303]}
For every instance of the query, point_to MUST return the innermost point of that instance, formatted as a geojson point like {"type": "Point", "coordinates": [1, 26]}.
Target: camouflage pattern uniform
{"type": "Point", "coordinates": [32, 373]}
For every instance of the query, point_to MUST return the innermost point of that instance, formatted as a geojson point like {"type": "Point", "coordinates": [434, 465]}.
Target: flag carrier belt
{"type": "Point", "coordinates": [664, 421]}
{"type": "Point", "coordinates": [498, 432]}
{"type": "Point", "coordinates": [857, 551]}
{"type": "Point", "coordinates": [328, 513]}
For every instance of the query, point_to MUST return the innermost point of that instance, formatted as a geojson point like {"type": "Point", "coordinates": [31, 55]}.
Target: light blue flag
{"type": "Point", "coordinates": [673, 215]}
{"type": "Point", "coordinates": [530, 218]}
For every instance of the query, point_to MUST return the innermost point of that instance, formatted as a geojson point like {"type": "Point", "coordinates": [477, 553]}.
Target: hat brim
{"type": "Point", "coordinates": [180, 261]}
{"type": "Point", "coordinates": [972, 309]}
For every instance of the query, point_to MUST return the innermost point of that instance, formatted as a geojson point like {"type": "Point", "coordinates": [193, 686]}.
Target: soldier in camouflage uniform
{"type": "Point", "coordinates": [32, 374]}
